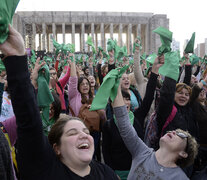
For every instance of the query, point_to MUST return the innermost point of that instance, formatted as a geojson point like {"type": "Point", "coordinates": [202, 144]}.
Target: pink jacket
{"type": "Point", "coordinates": [74, 95]}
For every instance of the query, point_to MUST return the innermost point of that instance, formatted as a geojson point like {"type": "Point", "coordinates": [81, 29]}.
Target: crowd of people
{"type": "Point", "coordinates": [102, 115]}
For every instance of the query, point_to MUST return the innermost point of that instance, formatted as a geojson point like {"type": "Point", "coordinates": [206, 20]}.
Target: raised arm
{"type": "Point", "coordinates": [34, 152]}
{"type": "Point", "coordinates": [133, 143]}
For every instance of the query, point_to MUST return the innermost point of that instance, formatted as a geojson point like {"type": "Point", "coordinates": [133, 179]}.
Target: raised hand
{"type": "Point", "coordinates": [14, 45]}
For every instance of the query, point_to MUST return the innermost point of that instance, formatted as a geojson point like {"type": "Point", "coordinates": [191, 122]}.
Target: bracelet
{"type": "Point", "coordinates": [203, 82]}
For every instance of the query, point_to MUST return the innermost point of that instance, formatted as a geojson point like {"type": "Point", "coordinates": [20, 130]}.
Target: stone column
{"type": "Point", "coordinates": [43, 36]}
{"type": "Point", "coordinates": [73, 33]}
{"type": "Point", "coordinates": [54, 31]}
{"type": "Point", "coordinates": [33, 36]}
{"type": "Point", "coordinates": [63, 32]}
{"type": "Point", "coordinates": [129, 43]}
{"type": "Point", "coordinates": [138, 30]}
{"type": "Point", "coordinates": [92, 33]}
{"type": "Point", "coordinates": [102, 36]}
{"type": "Point", "coordinates": [96, 40]}
{"type": "Point", "coordinates": [146, 46]}
{"type": "Point", "coordinates": [40, 43]}
{"type": "Point", "coordinates": [111, 30]}
{"type": "Point", "coordinates": [120, 35]}
{"type": "Point", "coordinates": [83, 37]}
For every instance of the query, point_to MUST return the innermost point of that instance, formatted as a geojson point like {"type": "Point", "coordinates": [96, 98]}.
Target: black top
{"type": "Point", "coordinates": [36, 158]}
{"type": "Point", "coordinates": [184, 118]}
{"type": "Point", "coordinates": [115, 152]}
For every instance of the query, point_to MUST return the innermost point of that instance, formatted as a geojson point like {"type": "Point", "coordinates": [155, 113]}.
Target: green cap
{"type": "Point", "coordinates": [165, 38]}
{"type": "Point", "coordinates": [7, 9]}
{"type": "Point", "coordinates": [190, 46]}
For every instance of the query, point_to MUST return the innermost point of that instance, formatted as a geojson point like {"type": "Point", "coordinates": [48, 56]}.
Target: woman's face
{"type": "Point", "coordinates": [84, 87]}
{"type": "Point", "coordinates": [125, 82]}
{"type": "Point", "coordinates": [182, 97]}
{"type": "Point", "coordinates": [92, 81]}
{"type": "Point", "coordinates": [53, 74]}
{"type": "Point", "coordinates": [76, 144]}
{"type": "Point", "coordinates": [173, 142]}
{"type": "Point", "coordinates": [202, 96]}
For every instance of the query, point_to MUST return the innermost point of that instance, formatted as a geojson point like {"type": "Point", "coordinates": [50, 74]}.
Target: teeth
{"type": "Point", "coordinates": [83, 145]}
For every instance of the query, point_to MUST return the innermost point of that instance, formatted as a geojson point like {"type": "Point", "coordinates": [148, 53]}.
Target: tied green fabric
{"type": "Point", "coordinates": [7, 9]}
{"type": "Point", "coordinates": [108, 88]}
{"type": "Point", "coordinates": [190, 46]}
{"type": "Point", "coordinates": [171, 66]}
{"type": "Point", "coordinates": [44, 96]}
{"type": "Point", "coordinates": [151, 58]}
{"type": "Point", "coordinates": [122, 53]}
{"type": "Point", "coordinates": [137, 44]}
{"type": "Point", "coordinates": [2, 67]}
{"type": "Point", "coordinates": [90, 43]}
{"type": "Point", "coordinates": [131, 118]}
{"type": "Point", "coordinates": [194, 59]}
{"type": "Point", "coordinates": [122, 174]}
{"type": "Point", "coordinates": [165, 38]}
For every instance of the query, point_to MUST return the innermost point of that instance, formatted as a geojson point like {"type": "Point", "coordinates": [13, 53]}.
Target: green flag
{"type": "Point", "coordinates": [90, 43]}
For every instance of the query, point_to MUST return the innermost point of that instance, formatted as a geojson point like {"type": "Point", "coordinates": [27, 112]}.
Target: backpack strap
{"type": "Point", "coordinates": [170, 118]}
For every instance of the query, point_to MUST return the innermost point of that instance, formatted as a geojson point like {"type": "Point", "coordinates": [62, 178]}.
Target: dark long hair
{"type": "Point", "coordinates": [84, 99]}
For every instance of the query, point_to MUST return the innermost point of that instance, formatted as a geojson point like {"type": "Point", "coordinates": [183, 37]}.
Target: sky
{"type": "Point", "coordinates": [186, 16]}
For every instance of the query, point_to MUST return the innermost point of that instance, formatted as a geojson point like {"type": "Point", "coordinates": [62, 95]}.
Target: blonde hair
{"type": "Point", "coordinates": [181, 86]}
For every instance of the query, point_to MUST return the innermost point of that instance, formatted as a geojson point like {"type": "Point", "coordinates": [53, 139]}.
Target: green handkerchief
{"type": "Point", "coordinates": [190, 46]}
{"type": "Point", "coordinates": [7, 9]}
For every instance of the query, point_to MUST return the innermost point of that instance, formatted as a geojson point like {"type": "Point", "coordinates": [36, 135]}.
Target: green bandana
{"type": "Point", "coordinates": [165, 38]}
{"type": "Point", "coordinates": [90, 43]}
{"type": "Point", "coordinates": [171, 66]}
{"type": "Point", "coordinates": [151, 58]}
{"type": "Point", "coordinates": [108, 88]}
{"type": "Point", "coordinates": [44, 96]}
{"type": "Point", "coordinates": [190, 46]}
{"type": "Point", "coordinates": [7, 9]}
{"type": "Point", "coordinates": [122, 53]}
{"type": "Point", "coordinates": [131, 118]}
{"type": "Point", "coordinates": [137, 44]}
{"type": "Point", "coordinates": [194, 59]}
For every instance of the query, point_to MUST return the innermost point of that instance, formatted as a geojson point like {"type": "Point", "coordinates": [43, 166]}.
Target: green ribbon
{"type": "Point", "coordinates": [7, 9]}
{"type": "Point", "coordinates": [108, 88]}
{"type": "Point", "coordinates": [137, 44]}
{"type": "Point", "coordinates": [44, 96]}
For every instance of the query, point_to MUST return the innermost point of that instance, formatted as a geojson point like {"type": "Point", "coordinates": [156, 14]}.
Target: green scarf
{"type": "Point", "coordinates": [131, 118]}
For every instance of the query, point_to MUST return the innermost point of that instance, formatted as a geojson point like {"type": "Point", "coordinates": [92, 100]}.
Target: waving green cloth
{"type": "Point", "coordinates": [7, 9]}
{"type": "Point", "coordinates": [165, 38]}
{"type": "Point", "coordinates": [137, 44]}
{"type": "Point", "coordinates": [44, 96]}
{"type": "Point", "coordinates": [190, 46]}
{"type": "Point", "coordinates": [108, 88]}
{"type": "Point", "coordinates": [111, 44]}
{"type": "Point", "coordinates": [90, 43]}
{"type": "Point", "coordinates": [151, 58]}
{"type": "Point", "coordinates": [33, 58]}
{"type": "Point", "coordinates": [171, 66]}
{"type": "Point", "coordinates": [68, 48]}
{"type": "Point", "coordinates": [122, 53]}
{"type": "Point", "coordinates": [57, 46]}
{"type": "Point", "coordinates": [143, 56]}
{"type": "Point", "coordinates": [103, 52]}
